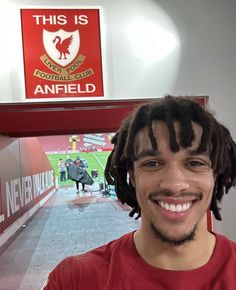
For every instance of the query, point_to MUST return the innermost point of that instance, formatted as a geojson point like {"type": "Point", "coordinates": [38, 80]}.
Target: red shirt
{"type": "Point", "coordinates": [118, 266]}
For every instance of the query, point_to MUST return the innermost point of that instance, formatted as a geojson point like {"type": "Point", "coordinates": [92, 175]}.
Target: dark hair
{"type": "Point", "coordinates": [215, 139]}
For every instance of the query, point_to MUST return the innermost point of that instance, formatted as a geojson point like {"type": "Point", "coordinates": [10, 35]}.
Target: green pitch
{"type": "Point", "coordinates": [96, 161]}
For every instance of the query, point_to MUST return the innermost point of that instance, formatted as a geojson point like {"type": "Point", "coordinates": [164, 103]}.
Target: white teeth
{"type": "Point", "coordinates": [179, 208]}
{"type": "Point", "coordinates": [166, 206]}
{"type": "Point", "coordinates": [175, 207]}
{"type": "Point", "coordinates": [172, 207]}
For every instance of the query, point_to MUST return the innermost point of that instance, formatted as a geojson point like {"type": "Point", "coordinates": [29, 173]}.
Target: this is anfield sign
{"type": "Point", "coordinates": [62, 53]}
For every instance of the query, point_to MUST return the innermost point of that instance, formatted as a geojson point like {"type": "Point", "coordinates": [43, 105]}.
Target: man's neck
{"type": "Point", "coordinates": [191, 255]}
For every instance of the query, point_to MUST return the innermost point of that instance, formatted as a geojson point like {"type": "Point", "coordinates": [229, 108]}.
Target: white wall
{"type": "Point", "coordinates": [191, 51]}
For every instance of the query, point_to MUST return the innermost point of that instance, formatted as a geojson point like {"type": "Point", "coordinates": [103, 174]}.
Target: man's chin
{"type": "Point", "coordinates": [173, 241]}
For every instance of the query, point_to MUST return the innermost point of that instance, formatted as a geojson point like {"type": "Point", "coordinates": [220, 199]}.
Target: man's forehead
{"type": "Point", "coordinates": [160, 127]}
{"type": "Point", "coordinates": [142, 136]}
{"type": "Point", "coordinates": [161, 134]}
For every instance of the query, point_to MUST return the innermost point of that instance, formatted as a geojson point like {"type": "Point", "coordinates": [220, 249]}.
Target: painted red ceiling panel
{"type": "Point", "coordinates": [59, 118]}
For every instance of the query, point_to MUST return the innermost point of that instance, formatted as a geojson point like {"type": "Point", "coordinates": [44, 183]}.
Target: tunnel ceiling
{"type": "Point", "coordinates": [72, 117]}
{"type": "Point", "coordinates": [59, 118]}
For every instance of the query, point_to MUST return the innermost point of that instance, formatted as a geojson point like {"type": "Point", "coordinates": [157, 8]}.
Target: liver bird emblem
{"type": "Point", "coordinates": [63, 45]}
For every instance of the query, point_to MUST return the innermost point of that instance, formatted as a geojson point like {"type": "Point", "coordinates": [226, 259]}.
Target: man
{"type": "Point", "coordinates": [62, 169]}
{"type": "Point", "coordinates": [171, 162]}
{"type": "Point", "coordinates": [84, 163]}
{"type": "Point", "coordinates": [77, 173]}
{"type": "Point", "coordinates": [68, 162]}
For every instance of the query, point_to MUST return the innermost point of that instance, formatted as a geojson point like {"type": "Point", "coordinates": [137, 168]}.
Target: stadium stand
{"type": "Point", "coordinates": [79, 143]}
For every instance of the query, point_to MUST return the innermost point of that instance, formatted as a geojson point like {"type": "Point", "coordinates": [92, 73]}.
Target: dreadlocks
{"type": "Point", "coordinates": [215, 139]}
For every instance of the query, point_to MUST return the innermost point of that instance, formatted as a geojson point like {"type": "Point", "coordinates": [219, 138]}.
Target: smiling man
{"type": "Point", "coordinates": [173, 189]}
{"type": "Point", "coordinates": [172, 162]}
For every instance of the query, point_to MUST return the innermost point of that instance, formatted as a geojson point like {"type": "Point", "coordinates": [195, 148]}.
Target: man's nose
{"type": "Point", "coordinates": [174, 179]}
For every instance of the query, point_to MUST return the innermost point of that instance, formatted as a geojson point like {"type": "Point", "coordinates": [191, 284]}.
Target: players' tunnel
{"type": "Point", "coordinates": [27, 178]}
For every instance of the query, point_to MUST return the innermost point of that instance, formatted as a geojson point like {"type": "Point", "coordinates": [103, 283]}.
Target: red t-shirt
{"type": "Point", "coordinates": [118, 266]}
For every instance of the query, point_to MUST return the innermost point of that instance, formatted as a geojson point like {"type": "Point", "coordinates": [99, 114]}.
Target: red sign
{"type": "Point", "coordinates": [62, 53]}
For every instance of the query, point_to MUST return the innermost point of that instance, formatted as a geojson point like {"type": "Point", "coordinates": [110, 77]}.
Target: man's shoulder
{"type": "Point", "coordinates": [226, 242]}
{"type": "Point", "coordinates": [225, 239]}
{"type": "Point", "coordinates": [102, 254]}
{"type": "Point", "coordinates": [89, 269]}
{"type": "Point", "coordinates": [225, 253]}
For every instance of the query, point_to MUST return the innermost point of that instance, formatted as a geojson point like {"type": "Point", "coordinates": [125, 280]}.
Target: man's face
{"type": "Point", "coordinates": [173, 190]}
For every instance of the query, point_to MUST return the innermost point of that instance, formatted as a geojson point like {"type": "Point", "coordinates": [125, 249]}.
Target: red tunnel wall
{"type": "Point", "coordinates": [26, 178]}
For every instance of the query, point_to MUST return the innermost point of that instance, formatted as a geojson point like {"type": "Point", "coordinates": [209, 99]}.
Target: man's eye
{"type": "Point", "coordinates": [151, 164]}
{"type": "Point", "coordinates": [196, 163]}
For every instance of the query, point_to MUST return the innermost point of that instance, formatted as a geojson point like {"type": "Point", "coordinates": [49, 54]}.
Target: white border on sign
{"type": "Point", "coordinates": [104, 61]}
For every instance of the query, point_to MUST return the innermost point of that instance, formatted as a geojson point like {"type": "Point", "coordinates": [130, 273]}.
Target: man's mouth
{"type": "Point", "coordinates": [181, 207]}
{"type": "Point", "coordinates": [175, 205]}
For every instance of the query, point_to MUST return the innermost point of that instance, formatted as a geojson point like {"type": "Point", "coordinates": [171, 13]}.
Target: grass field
{"type": "Point", "coordinates": [96, 161]}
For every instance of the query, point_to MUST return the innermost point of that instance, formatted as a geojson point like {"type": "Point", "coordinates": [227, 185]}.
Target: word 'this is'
{"type": "Point", "coordinates": [59, 19]}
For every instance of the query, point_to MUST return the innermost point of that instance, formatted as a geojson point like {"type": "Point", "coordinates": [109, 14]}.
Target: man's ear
{"type": "Point", "coordinates": [131, 177]}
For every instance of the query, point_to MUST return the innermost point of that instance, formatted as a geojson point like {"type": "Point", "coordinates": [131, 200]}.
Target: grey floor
{"type": "Point", "coordinates": [67, 224]}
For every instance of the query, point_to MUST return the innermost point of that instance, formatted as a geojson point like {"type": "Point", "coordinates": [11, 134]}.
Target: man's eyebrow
{"type": "Point", "coordinates": [195, 152]}
{"type": "Point", "coordinates": [145, 153]}
{"type": "Point", "coordinates": [155, 153]}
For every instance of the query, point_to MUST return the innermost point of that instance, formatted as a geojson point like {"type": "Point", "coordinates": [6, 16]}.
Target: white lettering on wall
{"type": "Point", "coordinates": [10, 203]}
{"type": "Point", "coordinates": [21, 191]}
{"type": "Point", "coordinates": [64, 88]}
